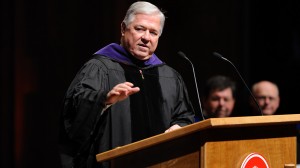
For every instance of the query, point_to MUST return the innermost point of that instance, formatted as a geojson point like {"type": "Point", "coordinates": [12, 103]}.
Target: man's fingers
{"type": "Point", "coordinates": [134, 90]}
{"type": "Point", "coordinates": [174, 127]}
{"type": "Point", "coordinates": [128, 84]}
{"type": "Point", "coordinates": [126, 88]}
{"type": "Point", "coordinates": [121, 91]}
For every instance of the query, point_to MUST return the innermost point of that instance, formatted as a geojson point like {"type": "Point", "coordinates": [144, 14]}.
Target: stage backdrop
{"type": "Point", "coordinates": [44, 43]}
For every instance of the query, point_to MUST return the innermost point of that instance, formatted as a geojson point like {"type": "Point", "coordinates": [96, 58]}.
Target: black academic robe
{"type": "Point", "coordinates": [161, 102]}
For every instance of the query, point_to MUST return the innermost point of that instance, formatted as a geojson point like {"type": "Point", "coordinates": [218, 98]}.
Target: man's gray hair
{"type": "Point", "coordinates": [143, 7]}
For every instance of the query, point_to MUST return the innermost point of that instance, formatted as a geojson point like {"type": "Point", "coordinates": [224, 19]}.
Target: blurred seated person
{"type": "Point", "coordinates": [267, 96]}
{"type": "Point", "coordinates": [219, 97]}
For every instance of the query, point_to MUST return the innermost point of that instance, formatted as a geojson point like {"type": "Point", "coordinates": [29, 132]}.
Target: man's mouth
{"type": "Point", "coordinates": [143, 47]}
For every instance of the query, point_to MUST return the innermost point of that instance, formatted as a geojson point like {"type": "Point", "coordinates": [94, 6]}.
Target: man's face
{"type": "Point", "coordinates": [219, 103]}
{"type": "Point", "coordinates": [267, 98]}
{"type": "Point", "coordinates": [141, 36]}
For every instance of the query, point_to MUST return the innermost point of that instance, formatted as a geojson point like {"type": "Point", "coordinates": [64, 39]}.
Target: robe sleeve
{"type": "Point", "coordinates": [184, 113]}
{"type": "Point", "coordinates": [84, 101]}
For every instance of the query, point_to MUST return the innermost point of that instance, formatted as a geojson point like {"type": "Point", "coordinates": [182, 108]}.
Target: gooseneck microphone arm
{"type": "Point", "coordinates": [180, 53]}
{"type": "Point", "coordinates": [223, 58]}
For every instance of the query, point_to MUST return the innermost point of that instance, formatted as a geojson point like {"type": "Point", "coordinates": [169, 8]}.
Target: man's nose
{"type": "Point", "coordinates": [146, 35]}
{"type": "Point", "coordinates": [267, 100]}
{"type": "Point", "coordinates": [221, 101]}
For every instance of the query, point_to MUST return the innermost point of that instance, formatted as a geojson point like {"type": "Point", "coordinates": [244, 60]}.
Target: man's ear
{"type": "Point", "coordinates": [123, 27]}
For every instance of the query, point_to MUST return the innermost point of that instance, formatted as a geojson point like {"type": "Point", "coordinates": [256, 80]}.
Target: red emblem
{"type": "Point", "coordinates": [255, 160]}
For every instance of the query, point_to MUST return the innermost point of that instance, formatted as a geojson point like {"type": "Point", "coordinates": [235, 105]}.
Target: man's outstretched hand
{"type": "Point", "coordinates": [120, 92]}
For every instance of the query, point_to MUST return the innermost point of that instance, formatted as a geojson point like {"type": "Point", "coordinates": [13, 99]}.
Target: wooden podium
{"type": "Point", "coordinates": [213, 143]}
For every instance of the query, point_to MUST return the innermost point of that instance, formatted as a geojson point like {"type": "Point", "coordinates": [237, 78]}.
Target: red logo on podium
{"type": "Point", "coordinates": [255, 160]}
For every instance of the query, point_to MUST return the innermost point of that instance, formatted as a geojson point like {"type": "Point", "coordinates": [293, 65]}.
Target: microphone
{"type": "Point", "coordinates": [223, 58]}
{"type": "Point", "coordinates": [180, 53]}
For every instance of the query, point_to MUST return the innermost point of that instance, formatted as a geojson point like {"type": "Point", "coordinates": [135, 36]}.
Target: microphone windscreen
{"type": "Point", "coordinates": [180, 53]}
